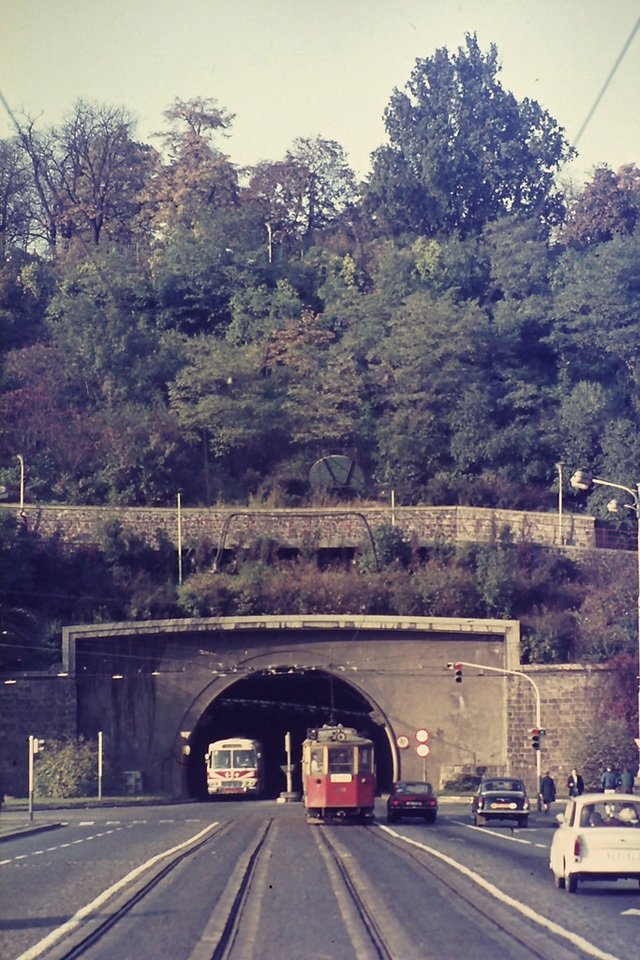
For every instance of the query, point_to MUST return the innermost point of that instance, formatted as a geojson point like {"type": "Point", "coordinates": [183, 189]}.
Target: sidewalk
{"type": "Point", "coordinates": [16, 823]}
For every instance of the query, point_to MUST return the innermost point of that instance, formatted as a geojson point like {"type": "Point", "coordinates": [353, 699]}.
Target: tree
{"type": "Point", "coordinates": [306, 192]}
{"type": "Point", "coordinates": [463, 151]}
{"type": "Point", "coordinates": [607, 206]}
{"type": "Point", "coordinates": [198, 177]}
{"type": "Point", "coordinates": [87, 173]}
{"type": "Point", "coordinates": [16, 199]}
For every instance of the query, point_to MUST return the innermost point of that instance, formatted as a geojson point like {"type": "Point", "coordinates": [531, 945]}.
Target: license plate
{"type": "Point", "coordinates": [623, 856]}
{"type": "Point", "coordinates": [503, 806]}
{"type": "Point", "coordinates": [413, 803]}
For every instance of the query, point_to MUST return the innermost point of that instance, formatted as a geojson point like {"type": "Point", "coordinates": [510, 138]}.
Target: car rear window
{"type": "Point", "coordinates": [607, 814]}
{"type": "Point", "coordinates": [497, 785]}
{"type": "Point", "coordinates": [425, 788]}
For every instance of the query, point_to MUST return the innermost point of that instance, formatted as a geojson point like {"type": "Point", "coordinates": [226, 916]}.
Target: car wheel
{"type": "Point", "coordinates": [558, 882]}
{"type": "Point", "coordinates": [391, 817]}
{"type": "Point", "coordinates": [570, 883]}
{"type": "Point", "coordinates": [430, 818]}
{"type": "Point", "coordinates": [524, 821]}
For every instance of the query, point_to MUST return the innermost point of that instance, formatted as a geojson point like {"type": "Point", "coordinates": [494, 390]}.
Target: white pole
{"type": "Point", "coordinates": [287, 747]}
{"type": "Point", "coordinates": [393, 508]}
{"type": "Point", "coordinates": [20, 459]}
{"type": "Point", "coordinates": [559, 466]}
{"type": "Point", "coordinates": [31, 776]}
{"type": "Point", "coordinates": [100, 765]}
{"type": "Point", "coordinates": [179, 543]}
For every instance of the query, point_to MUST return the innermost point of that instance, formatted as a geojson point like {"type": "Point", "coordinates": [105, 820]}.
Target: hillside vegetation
{"type": "Point", "coordinates": [457, 324]}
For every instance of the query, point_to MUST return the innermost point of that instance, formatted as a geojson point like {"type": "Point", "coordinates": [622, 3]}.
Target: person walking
{"type": "Point", "coordinates": [547, 791]}
{"type": "Point", "coordinates": [609, 780]}
{"type": "Point", "coordinates": [626, 780]}
{"type": "Point", "coordinates": [575, 784]}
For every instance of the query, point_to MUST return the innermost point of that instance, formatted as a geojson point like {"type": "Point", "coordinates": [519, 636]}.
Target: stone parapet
{"type": "Point", "coordinates": [311, 526]}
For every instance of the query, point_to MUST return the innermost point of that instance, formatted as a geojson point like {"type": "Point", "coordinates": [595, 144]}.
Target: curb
{"type": "Point", "coordinates": [25, 831]}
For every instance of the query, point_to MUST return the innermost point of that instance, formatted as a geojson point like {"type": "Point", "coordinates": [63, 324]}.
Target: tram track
{"type": "Point", "coordinates": [346, 870]}
{"type": "Point", "coordinates": [90, 928]}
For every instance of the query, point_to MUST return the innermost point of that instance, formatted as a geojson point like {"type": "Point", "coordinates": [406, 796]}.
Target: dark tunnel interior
{"type": "Point", "coordinates": [267, 706]}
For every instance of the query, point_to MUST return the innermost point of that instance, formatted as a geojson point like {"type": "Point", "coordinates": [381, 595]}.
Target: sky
{"type": "Point", "coordinates": [307, 68]}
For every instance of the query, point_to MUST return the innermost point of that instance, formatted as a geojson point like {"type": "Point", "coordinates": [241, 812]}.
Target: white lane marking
{"type": "Point", "coordinates": [24, 856]}
{"type": "Point", "coordinates": [86, 823]}
{"type": "Point", "coordinates": [632, 912]}
{"type": "Point", "coordinates": [493, 833]}
{"type": "Point", "coordinates": [43, 945]}
{"type": "Point", "coordinates": [494, 891]}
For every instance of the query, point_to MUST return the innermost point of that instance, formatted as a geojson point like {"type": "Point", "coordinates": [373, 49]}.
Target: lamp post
{"type": "Point", "coordinates": [581, 480]}
{"type": "Point", "coordinates": [20, 460]}
{"type": "Point", "coordinates": [559, 466]}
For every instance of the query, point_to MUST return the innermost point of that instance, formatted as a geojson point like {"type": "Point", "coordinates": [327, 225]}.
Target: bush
{"type": "Point", "coordinates": [68, 768]}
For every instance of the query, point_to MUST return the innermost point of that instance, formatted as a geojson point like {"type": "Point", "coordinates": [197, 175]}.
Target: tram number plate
{"type": "Point", "coordinates": [340, 778]}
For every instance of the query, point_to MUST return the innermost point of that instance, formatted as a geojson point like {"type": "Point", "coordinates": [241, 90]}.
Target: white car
{"type": "Point", "coordinates": [598, 838]}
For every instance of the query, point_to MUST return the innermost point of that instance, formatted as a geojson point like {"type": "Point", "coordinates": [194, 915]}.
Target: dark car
{"type": "Point", "coordinates": [412, 798]}
{"type": "Point", "coordinates": [501, 798]}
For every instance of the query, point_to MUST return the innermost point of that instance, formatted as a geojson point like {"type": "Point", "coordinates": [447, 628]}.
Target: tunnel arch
{"type": "Point", "coordinates": [265, 704]}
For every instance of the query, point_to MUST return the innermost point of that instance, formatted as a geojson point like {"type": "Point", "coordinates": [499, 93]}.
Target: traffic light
{"type": "Point", "coordinates": [535, 738]}
{"type": "Point", "coordinates": [458, 669]}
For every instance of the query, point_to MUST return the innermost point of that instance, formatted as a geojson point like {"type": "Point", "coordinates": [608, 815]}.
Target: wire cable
{"type": "Point", "coordinates": [607, 83]}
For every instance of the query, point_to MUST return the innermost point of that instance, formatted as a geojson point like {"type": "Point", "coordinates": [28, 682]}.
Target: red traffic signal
{"type": "Point", "coordinates": [535, 738]}
{"type": "Point", "coordinates": [458, 670]}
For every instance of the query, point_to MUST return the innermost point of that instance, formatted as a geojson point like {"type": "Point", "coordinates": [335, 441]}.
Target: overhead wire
{"type": "Point", "coordinates": [607, 82]}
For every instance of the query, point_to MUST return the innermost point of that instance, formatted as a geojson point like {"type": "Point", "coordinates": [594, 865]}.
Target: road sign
{"type": "Point", "coordinates": [422, 735]}
{"type": "Point", "coordinates": [402, 742]}
{"type": "Point", "coordinates": [423, 750]}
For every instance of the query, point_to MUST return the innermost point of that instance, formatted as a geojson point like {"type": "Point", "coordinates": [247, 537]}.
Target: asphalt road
{"type": "Point", "coordinates": [441, 891]}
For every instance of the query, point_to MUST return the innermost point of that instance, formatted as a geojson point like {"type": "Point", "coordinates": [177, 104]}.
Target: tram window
{"type": "Point", "coordinates": [365, 762]}
{"type": "Point", "coordinates": [221, 760]}
{"type": "Point", "coordinates": [340, 760]}
{"type": "Point", "coordinates": [316, 761]}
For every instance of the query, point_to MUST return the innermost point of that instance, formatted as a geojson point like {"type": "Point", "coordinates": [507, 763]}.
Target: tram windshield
{"type": "Point", "coordinates": [341, 760]}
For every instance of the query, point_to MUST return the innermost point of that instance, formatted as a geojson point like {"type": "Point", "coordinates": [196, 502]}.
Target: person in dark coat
{"type": "Point", "coordinates": [626, 780]}
{"type": "Point", "coordinates": [575, 784]}
{"type": "Point", "coordinates": [609, 780]}
{"type": "Point", "coordinates": [547, 791]}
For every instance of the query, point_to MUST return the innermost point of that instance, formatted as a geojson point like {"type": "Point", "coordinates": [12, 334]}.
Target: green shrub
{"type": "Point", "coordinates": [68, 768]}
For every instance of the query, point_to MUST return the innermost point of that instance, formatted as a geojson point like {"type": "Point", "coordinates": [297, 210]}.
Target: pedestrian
{"type": "Point", "coordinates": [547, 791]}
{"type": "Point", "coordinates": [626, 780]}
{"type": "Point", "coordinates": [575, 784]}
{"type": "Point", "coordinates": [609, 780]}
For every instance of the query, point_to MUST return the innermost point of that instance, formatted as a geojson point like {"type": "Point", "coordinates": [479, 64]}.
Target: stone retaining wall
{"type": "Point", "coordinates": [319, 527]}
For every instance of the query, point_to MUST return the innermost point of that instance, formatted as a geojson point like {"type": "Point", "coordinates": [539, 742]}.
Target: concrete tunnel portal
{"type": "Point", "coordinates": [265, 706]}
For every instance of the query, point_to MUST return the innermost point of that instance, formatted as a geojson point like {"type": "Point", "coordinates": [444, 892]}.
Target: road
{"type": "Point", "coordinates": [251, 880]}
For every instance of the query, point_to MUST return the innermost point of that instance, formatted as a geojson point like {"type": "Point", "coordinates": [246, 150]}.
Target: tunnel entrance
{"type": "Point", "coordinates": [265, 706]}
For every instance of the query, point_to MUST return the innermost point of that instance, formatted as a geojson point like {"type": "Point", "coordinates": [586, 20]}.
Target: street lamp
{"type": "Point", "coordinates": [20, 460]}
{"type": "Point", "coordinates": [581, 480]}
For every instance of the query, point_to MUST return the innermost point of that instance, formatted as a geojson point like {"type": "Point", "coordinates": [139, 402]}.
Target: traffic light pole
{"type": "Point", "coordinates": [517, 673]}
{"type": "Point", "coordinates": [31, 752]}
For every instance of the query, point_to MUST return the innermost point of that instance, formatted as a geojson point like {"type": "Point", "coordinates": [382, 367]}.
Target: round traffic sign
{"type": "Point", "coordinates": [402, 742]}
{"type": "Point", "coordinates": [423, 750]}
{"type": "Point", "coordinates": [422, 735]}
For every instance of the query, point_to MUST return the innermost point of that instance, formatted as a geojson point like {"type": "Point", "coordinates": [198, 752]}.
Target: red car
{"type": "Point", "coordinates": [412, 798]}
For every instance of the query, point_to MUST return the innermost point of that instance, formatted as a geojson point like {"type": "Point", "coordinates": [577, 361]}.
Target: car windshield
{"type": "Point", "coordinates": [497, 786]}
{"type": "Point", "coordinates": [610, 814]}
{"type": "Point", "coordinates": [425, 788]}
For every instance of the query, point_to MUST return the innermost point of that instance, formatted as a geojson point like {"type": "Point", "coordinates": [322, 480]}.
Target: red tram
{"type": "Point", "coordinates": [338, 775]}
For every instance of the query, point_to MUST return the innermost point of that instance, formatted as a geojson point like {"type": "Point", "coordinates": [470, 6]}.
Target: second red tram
{"type": "Point", "coordinates": [338, 775]}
